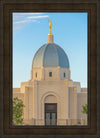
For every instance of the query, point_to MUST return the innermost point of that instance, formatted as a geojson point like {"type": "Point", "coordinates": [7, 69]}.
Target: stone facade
{"type": "Point", "coordinates": [56, 88]}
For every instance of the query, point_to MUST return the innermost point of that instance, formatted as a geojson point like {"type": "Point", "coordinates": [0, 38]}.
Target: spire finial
{"type": "Point", "coordinates": [50, 25]}
{"type": "Point", "coordinates": [50, 35]}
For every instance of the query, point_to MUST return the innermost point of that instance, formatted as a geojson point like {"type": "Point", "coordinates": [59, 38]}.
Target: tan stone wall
{"type": "Point", "coordinates": [81, 100]}
{"type": "Point", "coordinates": [72, 103]}
{"type": "Point", "coordinates": [19, 96]}
{"type": "Point", "coordinates": [83, 89]}
{"type": "Point", "coordinates": [66, 71]}
{"type": "Point", "coordinates": [43, 73]}
{"type": "Point", "coordinates": [44, 89]}
{"type": "Point", "coordinates": [78, 86]}
{"type": "Point", "coordinates": [28, 112]}
{"type": "Point", "coordinates": [26, 94]}
{"type": "Point", "coordinates": [35, 101]}
{"type": "Point", "coordinates": [55, 74]}
{"type": "Point", "coordinates": [56, 89]}
{"type": "Point", "coordinates": [23, 85]}
{"type": "Point", "coordinates": [39, 74]}
{"type": "Point", "coordinates": [16, 90]}
{"type": "Point", "coordinates": [70, 83]}
{"type": "Point", "coordinates": [50, 99]}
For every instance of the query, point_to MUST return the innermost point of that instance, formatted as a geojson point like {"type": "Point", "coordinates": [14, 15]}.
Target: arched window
{"type": "Point", "coordinates": [50, 74]}
{"type": "Point", "coordinates": [64, 74]}
{"type": "Point", "coordinates": [36, 74]}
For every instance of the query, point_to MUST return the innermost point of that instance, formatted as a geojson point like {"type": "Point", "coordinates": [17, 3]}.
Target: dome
{"type": "Point", "coordinates": [50, 55]}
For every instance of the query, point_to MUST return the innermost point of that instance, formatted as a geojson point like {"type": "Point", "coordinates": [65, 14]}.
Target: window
{"type": "Point", "coordinates": [50, 74]}
{"type": "Point", "coordinates": [64, 74]}
{"type": "Point", "coordinates": [36, 75]}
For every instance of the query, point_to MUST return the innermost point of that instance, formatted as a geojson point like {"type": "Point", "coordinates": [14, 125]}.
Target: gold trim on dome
{"type": "Point", "coordinates": [65, 82]}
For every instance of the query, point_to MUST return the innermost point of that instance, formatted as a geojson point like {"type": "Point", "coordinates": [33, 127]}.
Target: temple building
{"type": "Point", "coordinates": [50, 96]}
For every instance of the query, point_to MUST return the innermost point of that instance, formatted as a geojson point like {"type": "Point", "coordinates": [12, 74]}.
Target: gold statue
{"type": "Point", "coordinates": [50, 25]}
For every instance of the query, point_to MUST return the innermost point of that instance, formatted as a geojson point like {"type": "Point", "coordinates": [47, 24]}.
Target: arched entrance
{"type": "Point", "coordinates": [50, 113]}
{"type": "Point", "coordinates": [50, 110]}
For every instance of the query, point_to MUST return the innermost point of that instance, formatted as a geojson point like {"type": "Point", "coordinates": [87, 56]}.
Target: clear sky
{"type": "Point", "coordinates": [30, 32]}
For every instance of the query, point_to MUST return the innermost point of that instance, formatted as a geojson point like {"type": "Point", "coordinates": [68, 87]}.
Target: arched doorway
{"type": "Point", "coordinates": [50, 113]}
{"type": "Point", "coordinates": [50, 110]}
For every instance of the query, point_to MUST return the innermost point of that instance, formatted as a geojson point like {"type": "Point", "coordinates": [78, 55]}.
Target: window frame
{"type": "Point", "coordinates": [36, 74]}
{"type": "Point", "coordinates": [64, 75]}
{"type": "Point", "coordinates": [50, 74]}
{"type": "Point", "coordinates": [91, 9]}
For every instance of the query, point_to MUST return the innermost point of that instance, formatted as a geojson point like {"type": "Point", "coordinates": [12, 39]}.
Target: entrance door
{"type": "Point", "coordinates": [50, 113]}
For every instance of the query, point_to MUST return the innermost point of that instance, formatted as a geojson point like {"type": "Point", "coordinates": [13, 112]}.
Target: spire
{"type": "Point", "coordinates": [50, 35]}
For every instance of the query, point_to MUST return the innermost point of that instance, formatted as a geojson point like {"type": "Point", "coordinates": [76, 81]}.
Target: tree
{"type": "Point", "coordinates": [85, 109]}
{"type": "Point", "coordinates": [17, 111]}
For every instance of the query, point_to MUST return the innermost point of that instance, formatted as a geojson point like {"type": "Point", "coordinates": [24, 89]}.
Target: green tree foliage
{"type": "Point", "coordinates": [85, 109]}
{"type": "Point", "coordinates": [17, 111]}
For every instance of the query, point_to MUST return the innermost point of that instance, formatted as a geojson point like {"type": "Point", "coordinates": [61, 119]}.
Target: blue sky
{"type": "Point", "coordinates": [30, 32]}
